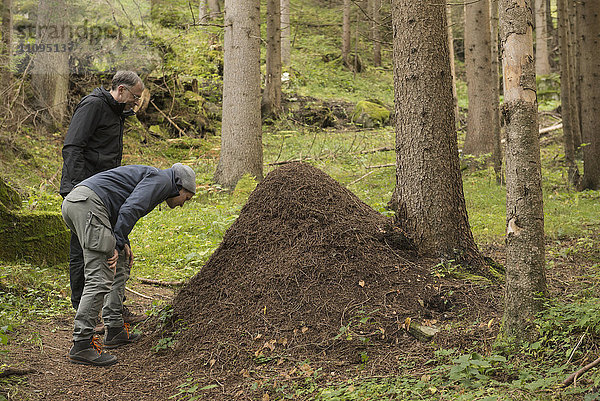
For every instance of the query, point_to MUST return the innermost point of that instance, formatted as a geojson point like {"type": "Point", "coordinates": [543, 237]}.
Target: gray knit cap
{"type": "Point", "coordinates": [185, 176]}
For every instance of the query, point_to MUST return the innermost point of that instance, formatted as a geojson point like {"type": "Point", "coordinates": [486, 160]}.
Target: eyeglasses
{"type": "Point", "coordinates": [135, 97]}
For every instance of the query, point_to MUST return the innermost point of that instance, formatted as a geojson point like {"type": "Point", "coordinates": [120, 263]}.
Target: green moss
{"type": "Point", "coordinates": [369, 114]}
{"type": "Point", "coordinates": [38, 237]}
{"type": "Point", "coordinates": [9, 197]}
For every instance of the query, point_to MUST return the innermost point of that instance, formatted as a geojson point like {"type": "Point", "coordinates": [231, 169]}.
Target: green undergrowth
{"type": "Point", "coordinates": [32, 292]}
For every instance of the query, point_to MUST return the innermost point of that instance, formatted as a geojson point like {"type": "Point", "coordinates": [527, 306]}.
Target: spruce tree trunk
{"type": "Point", "coordinates": [271, 100]}
{"type": "Point", "coordinates": [286, 44]}
{"type": "Point", "coordinates": [566, 93]}
{"type": "Point", "coordinates": [452, 66]}
{"type": "Point", "coordinates": [241, 134]}
{"type": "Point", "coordinates": [376, 31]}
{"type": "Point", "coordinates": [50, 74]}
{"type": "Point", "coordinates": [480, 86]}
{"type": "Point", "coordinates": [346, 31]}
{"type": "Point", "coordinates": [589, 29]}
{"type": "Point", "coordinates": [552, 35]}
{"type": "Point", "coordinates": [5, 45]}
{"type": "Point", "coordinates": [525, 270]}
{"type": "Point", "coordinates": [497, 150]}
{"type": "Point", "coordinates": [428, 198]}
{"type": "Point", "coordinates": [574, 57]}
{"type": "Point", "coordinates": [542, 39]}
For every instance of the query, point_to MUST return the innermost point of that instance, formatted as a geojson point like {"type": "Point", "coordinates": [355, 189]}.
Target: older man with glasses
{"type": "Point", "coordinates": [94, 143]}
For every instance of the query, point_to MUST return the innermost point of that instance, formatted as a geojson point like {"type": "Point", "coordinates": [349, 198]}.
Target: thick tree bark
{"type": "Point", "coordinates": [346, 31]}
{"type": "Point", "coordinates": [50, 74]}
{"type": "Point", "coordinates": [525, 270]}
{"type": "Point", "coordinates": [376, 31]}
{"type": "Point", "coordinates": [5, 45]}
{"type": "Point", "coordinates": [271, 100]}
{"type": "Point", "coordinates": [480, 86]}
{"type": "Point", "coordinates": [241, 134]}
{"type": "Point", "coordinates": [589, 29]}
{"type": "Point", "coordinates": [566, 93]}
{"type": "Point", "coordinates": [286, 44]}
{"type": "Point", "coordinates": [497, 150]}
{"type": "Point", "coordinates": [428, 198]}
{"type": "Point", "coordinates": [542, 39]}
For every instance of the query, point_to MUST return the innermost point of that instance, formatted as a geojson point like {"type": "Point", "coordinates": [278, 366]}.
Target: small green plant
{"type": "Point", "coordinates": [187, 390]}
{"type": "Point", "coordinates": [474, 370]}
{"type": "Point", "coordinates": [164, 344]}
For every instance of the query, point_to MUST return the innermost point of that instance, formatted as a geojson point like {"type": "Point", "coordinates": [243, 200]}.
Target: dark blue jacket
{"type": "Point", "coordinates": [131, 192]}
{"type": "Point", "coordinates": [94, 140]}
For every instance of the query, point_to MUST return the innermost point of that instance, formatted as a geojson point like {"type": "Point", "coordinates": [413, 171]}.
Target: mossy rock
{"type": "Point", "coordinates": [369, 114]}
{"type": "Point", "coordinates": [36, 237]}
{"type": "Point", "coordinates": [9, 197]}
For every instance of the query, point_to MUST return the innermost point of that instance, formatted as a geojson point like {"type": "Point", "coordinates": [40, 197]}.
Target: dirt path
{"type": "Point", "coordinates": [43, 348]}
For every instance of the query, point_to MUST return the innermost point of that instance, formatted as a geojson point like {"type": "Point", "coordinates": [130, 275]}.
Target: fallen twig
{"type": "Point", "coordinates": [573, 377]}
{"type": "Point", "coordinates": [162, 113]}
{"type": "Point", "coordinates": [382, 165]}
{"type": "Point", "coordinates": [382, 149]}
{"type": "Point", "coordinates": [15, 372]}
{"type": "Point", "coordinates": [360, 178]}
{"type": "Point", "coordinates": [551, 128]}
{"type": "Point", "coordinates": [137, 293]}
{"type": "Point", "coordinates": [159, 282]}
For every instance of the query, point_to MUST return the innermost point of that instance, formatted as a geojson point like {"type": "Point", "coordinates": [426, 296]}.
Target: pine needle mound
{"type": "Point", "coordinates": [307, 269]}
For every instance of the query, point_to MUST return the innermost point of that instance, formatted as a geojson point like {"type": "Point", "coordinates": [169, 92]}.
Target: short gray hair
{"type": "Point", "coordinates": [127, 78]}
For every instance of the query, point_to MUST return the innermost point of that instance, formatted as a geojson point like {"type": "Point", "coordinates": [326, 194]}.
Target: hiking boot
{"type": "Point", "coordinates": [132, 318]}
{"type": "Point", "coordinates": [119, 336]}
{"type": "Point", "coordinates": [89, 352]}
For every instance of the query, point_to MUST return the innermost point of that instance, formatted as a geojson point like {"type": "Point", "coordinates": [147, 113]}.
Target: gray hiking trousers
{"type": "Point", "coordinates": [85, 214]}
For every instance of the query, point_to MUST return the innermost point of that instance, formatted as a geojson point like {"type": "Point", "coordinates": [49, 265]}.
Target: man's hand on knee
{"type": "Point", "coordinates": [129, 255]}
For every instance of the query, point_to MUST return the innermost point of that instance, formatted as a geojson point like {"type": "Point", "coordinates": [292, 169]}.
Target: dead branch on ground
{"type": "Point", "coordinates": [160, 282]}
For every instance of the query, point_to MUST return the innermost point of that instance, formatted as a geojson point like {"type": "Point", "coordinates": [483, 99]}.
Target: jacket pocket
{"type": "Point", "coordinates": [98, 235]}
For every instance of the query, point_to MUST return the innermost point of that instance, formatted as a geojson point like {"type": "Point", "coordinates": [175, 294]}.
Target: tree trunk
{"type": "Point", "coordinates": [480, 86]}
{"type": "Point", "coordinates": [452, 66]}
{"type": "Point", "coordinates": [6, 45]}
{"type": "Point", "coordinates": [50, 74]}
{"type": "Point", "coordinates": [376, 31]}
{"type": "Point", "coordinates": [525, 270]}
{"type": "Point", "coordinates": [241, 134]}
{"type": "Point", "coordinates": [574, 57]}
{"type": "Point", "coordinates": [542, 39]}
{"type": "Point", "coordinates": [286, 44]}
{"type": "Point", "coordinates": [497, 150]}
{"type": "Point", "coordinates": [589, 28]}
{"type": "Point", "coordinates": [214, 8]}
{"type": "Point", "coordinates": [566, 93]}
{"type": "Point", "coordinates": [552, 35]}
{"type": "Point", "coordinates": [428, 198]}
{"type": "Point", "coordinates": [271, 100]}
{"type": "Point", "coordinates": [202, 11]}
{"type": "Point", "coordinates": [346, 31]}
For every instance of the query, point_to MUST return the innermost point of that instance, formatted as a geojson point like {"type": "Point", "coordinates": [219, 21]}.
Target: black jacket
{"type": "Point", "coordinates": [131, 192]}
{"type": "Point", "coordinates": [94, 141]}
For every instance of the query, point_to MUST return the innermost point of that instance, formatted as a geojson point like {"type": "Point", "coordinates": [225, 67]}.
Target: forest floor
{"type": "Point", "coordinates": [41, 347]}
